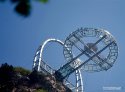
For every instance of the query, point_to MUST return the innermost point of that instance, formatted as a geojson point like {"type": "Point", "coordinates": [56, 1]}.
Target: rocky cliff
{"type": "Point", "coordinates": [21, 80]}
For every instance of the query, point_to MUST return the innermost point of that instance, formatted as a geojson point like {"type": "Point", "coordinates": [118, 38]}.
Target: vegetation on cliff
{"type": "Point", "coordinates": [18, 79]}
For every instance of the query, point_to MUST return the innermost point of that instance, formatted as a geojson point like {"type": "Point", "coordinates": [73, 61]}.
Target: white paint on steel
{"type": "Point", "coordinates": [79, 82]}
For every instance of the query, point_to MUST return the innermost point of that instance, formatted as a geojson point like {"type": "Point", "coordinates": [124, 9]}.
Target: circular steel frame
{"type": "Point", "coordinates": [99, 62]}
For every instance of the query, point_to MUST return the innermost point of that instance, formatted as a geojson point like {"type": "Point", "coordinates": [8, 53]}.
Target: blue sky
{"type": "Point", "coordinates": [20, 37]}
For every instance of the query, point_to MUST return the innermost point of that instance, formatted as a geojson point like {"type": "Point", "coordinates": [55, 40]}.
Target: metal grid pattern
{"type": "Point", "coordinates": [79, 40]}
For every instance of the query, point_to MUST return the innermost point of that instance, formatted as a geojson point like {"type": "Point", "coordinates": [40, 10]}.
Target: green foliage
{"type": "Point", "coordinates": [23, 7]}
{"type": "Point", "coordinates": [22, 71]}
{"type": "Point", "coordinates": [36, 77]}
{"type": "Point", "coordinates": [7, 78]}
{"type": "Point", "coordinates": [40, 90]}
{"type": "Point", "coordinates": [43, 1]}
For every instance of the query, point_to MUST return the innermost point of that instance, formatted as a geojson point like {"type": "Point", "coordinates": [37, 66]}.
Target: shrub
{"type": "Point", "coordinates": [22, 71]}
{"type": "Point", "coordinates": [40, 90]}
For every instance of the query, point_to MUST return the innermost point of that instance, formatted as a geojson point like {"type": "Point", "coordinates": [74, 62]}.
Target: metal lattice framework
{"type": "Point", "coordinates": [83, 40]}
{"type": "Point", "coordinates": [41, 66]}
{"type": "Point", "coordinates": [96, 50]}
{"type": "Point", "coordinates": [87, 49]}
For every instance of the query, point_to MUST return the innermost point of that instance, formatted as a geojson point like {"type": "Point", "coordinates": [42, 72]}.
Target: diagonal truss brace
{"type": "Point", "coordinates": [100, 60]}
{"type": "Point", "coordinates": [67, 69]}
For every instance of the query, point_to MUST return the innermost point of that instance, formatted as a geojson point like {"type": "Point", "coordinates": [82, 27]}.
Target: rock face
{"type": "Point", "coordinates": [36, 81]}
{"type": "Point", "coordinates": [47, 82]}
{"type": "Point", "coordinates": [13, 81]}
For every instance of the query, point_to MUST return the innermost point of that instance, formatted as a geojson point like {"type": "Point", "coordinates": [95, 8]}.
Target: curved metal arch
{"type": "Point", "coordinates": [39, 52]}
{"type": "Point", "coordinates": [43, 45]}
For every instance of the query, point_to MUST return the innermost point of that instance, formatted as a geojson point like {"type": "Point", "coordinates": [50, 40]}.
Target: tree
{"type": "Point", "coordinates": [7, 78]}
{"type": "Point", "coordinates": [23, 7]}
{"type": "Point", "coordinates": [22, 71]}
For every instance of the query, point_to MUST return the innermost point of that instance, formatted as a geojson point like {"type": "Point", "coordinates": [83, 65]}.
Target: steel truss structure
{"type": "Point", "coordinates": [41, 66]}
{"type": "Point", "coordinates": [98, 42]}
{"type": "Point", "coordinates": [87, 49]}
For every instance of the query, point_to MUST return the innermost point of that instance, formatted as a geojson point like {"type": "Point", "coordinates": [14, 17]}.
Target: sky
{"type": "Point", "coordinates": [20, 37]}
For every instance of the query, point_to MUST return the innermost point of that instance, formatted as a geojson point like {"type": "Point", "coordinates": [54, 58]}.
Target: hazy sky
{"type": "Point", "coordinates": [20, 37]}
